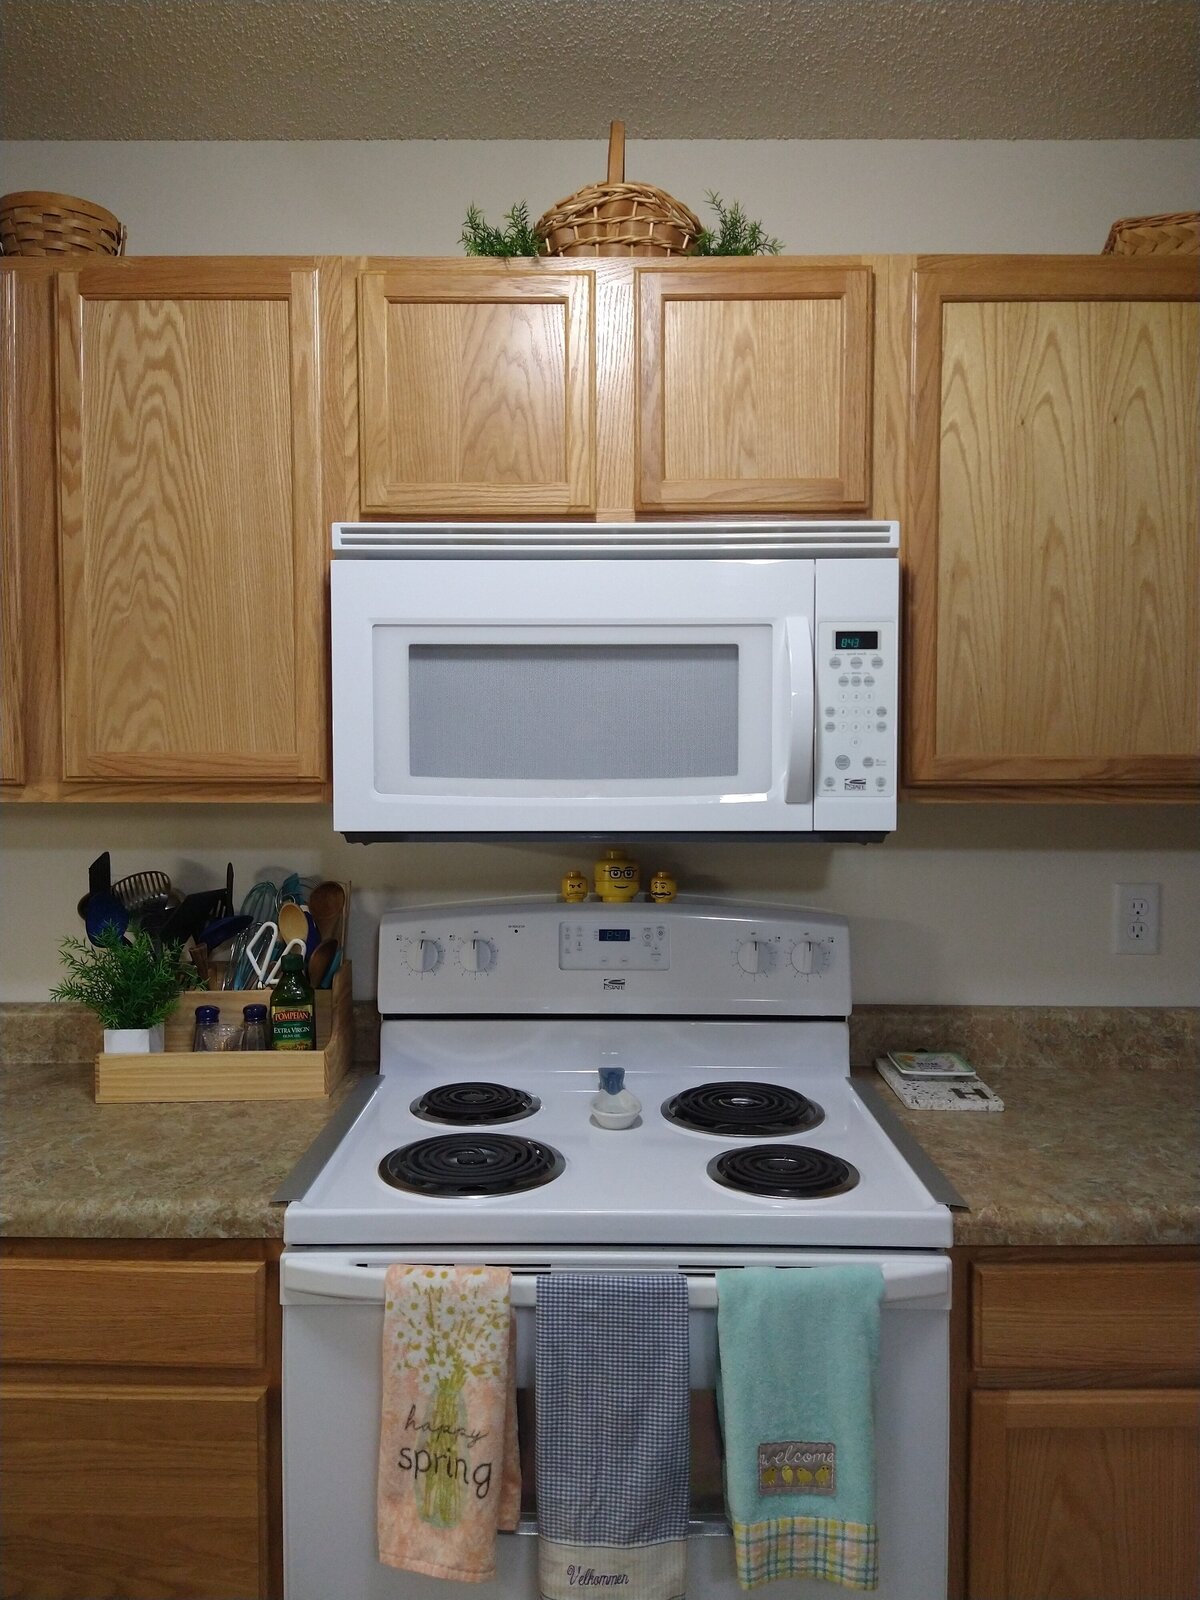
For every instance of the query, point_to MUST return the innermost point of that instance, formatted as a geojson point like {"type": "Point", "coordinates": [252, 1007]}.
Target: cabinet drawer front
{"type": "Point", "coordinates": [1094, 1316]}
{"type": "Point", "coordinates": [131, 1313]}
{"type": "Point", "coordinates": [139, 1491]}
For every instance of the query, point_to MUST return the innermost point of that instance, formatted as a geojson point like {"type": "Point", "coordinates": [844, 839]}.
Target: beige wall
{"type": "Point", "coordinates": [820, 198]}
{"type": "Point", "coordinates": [964, 904]}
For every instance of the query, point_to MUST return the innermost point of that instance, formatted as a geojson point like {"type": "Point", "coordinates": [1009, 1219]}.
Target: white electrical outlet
{"type": "Point", "coordinates": [1135, 919]}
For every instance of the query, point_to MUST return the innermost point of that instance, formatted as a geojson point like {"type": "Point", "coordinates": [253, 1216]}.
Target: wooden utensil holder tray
{"type": "Point", "coordinates": [181, 1073]}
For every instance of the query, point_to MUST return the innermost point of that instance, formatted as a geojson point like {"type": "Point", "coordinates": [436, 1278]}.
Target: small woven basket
{"type": "Point", "coordinates": [1173, 233]}
{"type": "Point", "coordinates": [35, 223]}
{"type": "Point", "coordinates": [616, 218]}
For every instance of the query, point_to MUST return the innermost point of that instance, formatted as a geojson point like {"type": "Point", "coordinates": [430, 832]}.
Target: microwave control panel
{"type": "Point", "coordinates": [855, 711]}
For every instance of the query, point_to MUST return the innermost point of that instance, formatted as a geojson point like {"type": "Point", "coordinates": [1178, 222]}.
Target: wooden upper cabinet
{"type": "Point", "coordinates": [754, 388]}
{"type": "Point", "coordinates": [476, 391]}
{"type": "Point", "coordinates": [1051, 544]}
{"type": "Point", "coordinates": [192, 536]}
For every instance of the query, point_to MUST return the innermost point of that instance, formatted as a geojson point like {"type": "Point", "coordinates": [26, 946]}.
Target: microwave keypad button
{"type": "Point", "coordinates": [881, 727]}
{"type": "Point", "coordinates": [869, 681]}
{"type": "Point", "coordinates": [831, 711]}
{"type": "Point", "coordinates": [835, 661]}
{"type": "Point", "coordinates": [842, 763]}
{"type": "Point", "coordinates": [855, 663]}
{"type": "Point", "coordinates": [831, 727]}
{"type": "Point", "coordinates": [868, 761]}
{"type": "Point", "coordinates": [877, 662]}
{"type": "Point", "coordinates": [829, 783]}
{"type": "Point", "coordinates": [881, 711]}
{"type": "Point", "coordinates": [843, 681]}
{"type": "Point", "coordinates": [855, 682]}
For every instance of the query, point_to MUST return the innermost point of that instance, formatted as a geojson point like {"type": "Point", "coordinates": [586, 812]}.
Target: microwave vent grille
{"type": "Point", "coordinates": [623, 541]}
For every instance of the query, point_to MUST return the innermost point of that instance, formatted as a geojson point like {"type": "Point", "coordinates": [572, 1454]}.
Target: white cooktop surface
{"type": "Point", "coordinates": [646, 1185]}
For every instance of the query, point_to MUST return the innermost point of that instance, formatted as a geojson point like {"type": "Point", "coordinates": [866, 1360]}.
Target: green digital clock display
{"type": "Point", "coordinates": [855, 641]}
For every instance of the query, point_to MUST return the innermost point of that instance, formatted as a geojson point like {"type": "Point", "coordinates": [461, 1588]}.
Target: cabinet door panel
{"type": "Point", "coordinates": [192, 543]}
{"type": "Point", "coordinates": [476, 392]}
{"type": "Point", "coordinates": [754, 388]}
{"type": "Point", "coordinates": [145, 1493]}
{"type": "Point", "coordinates": [1055, 569]}
{"type": "Point", "coordinates": [1084, 1496]}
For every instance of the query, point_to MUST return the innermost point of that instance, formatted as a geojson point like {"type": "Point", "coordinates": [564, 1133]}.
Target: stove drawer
{"type": "Point", "coordinates": [134, 1313]}
{"type": "Point", "coordinates": [1094, 1316]}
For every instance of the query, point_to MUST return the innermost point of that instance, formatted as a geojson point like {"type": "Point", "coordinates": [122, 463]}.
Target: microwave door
{"type": "Point", "coordinates": [573, 699]}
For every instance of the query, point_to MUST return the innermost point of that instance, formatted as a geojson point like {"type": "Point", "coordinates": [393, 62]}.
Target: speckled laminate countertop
{"type": "Point", "coordinates": [1080, 1155]}
{"type": "Point", "coordinates": [71, 1169]}
{"type": "Point", "coordinates": [1098, 1155]}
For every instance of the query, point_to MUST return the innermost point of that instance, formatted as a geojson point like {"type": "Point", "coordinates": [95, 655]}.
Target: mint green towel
{"type": "Point", "coordinates": [796, 1390]}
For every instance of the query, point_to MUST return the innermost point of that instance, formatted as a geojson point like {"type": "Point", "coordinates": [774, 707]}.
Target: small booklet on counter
{"type": "Point", "coordinates": [930, 1064]}
{"type": "Point", "coordinates": [959, 1092]}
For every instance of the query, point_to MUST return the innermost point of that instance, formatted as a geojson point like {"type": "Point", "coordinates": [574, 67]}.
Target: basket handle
{"type": "Point", "coordinates": [616, 152]}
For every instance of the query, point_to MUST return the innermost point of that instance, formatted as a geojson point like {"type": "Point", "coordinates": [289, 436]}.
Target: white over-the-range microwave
{"type": "Point", "coordinates": [631, 681]}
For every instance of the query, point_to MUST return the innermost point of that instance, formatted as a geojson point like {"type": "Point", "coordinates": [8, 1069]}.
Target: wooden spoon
{"type": "Point", "coordinates": [325, 905]}
{"type": "Point", "coordinates": [293, 924]}
{"type": "Point", "coordinates": [320, 962]}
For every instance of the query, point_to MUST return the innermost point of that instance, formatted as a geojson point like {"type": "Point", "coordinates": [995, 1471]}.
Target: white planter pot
{"type": "Point", "coordinates": [134, 1041]}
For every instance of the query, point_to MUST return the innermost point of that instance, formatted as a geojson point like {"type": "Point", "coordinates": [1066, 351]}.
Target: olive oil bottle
{"type": "Point", "coordinates": [293, 1009]}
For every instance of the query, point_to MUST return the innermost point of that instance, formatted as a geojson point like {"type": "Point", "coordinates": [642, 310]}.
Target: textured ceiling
{"type": "Point", "coordinates": [559, 69]}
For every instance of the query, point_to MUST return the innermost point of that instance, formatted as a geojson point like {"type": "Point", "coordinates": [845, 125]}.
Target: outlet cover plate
{"type": "Point", "coordinates": [1135, 919]}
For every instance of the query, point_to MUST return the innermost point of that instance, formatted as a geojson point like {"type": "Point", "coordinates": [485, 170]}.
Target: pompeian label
{"type": "Point", "coordinates": [293, 1028]}
{"type": "Point", "coordinates": [797, 1466]}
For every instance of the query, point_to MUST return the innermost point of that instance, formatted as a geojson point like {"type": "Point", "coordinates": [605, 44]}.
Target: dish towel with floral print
{"type": "Point", "coordinates": [612, 1434]}
{"type": "Point", "coordinates": [798, 1349]}
{"type": "Point", "coordinates": [449, 1467]}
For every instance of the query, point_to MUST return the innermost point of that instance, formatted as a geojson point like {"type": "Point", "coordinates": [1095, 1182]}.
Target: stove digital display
{"type": "Point", "coordinates": [613, 935]}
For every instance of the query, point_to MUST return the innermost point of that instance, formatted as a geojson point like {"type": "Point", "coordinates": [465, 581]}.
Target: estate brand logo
{"type": "Point", "coordinates": [797, 1466]}
{"type": "Point", "coordinates": [614, 983]}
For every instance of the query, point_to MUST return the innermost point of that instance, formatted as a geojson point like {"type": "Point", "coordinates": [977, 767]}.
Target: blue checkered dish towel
{"type": "Point", "coordinates": [612, 1434]}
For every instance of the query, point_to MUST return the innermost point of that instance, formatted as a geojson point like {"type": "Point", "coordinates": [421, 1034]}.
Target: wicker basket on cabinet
{"type": "Point", "coordinates": [616, 218]}
{"type": "Point", "coordinates": [34, 222]}
{"type": "Point", "coordinates": [1172, 233]}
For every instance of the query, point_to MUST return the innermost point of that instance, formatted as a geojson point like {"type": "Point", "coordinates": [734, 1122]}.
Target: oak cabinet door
{"type": "Point", "coordinates": [1084, 1496]}
{"type": "Point", "coordinates": [192, 544]}
{"type": "Point", "coordinates": [115, 1489]}
{"type": "Point", "coordinates": [1052, 556]}
{"type": "Point", "coordinates": [754, 388]}
{"type": "Point", "coordinates": [476, 391]}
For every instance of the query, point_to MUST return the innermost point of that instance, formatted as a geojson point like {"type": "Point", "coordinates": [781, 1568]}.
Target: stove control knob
{"type": "Point", "coordinates": [477, 955]}
{"type": "Point", "coordinates": [423, 955]}
{"type": "Point", "coordinates": [804, 956]}
{"type": "Point", "coordinates": [753, 955]}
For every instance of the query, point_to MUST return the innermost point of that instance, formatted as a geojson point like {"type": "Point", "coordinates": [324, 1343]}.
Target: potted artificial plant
{"type": "Point", "coordinates": [131, 984]}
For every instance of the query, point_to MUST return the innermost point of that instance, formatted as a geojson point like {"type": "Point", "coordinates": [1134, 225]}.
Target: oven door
{"type": "Point", "coordinates": [333, 1323]}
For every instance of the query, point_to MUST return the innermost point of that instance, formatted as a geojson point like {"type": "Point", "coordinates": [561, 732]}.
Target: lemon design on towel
{"type": "Point", "coordinates": [446, 1339]}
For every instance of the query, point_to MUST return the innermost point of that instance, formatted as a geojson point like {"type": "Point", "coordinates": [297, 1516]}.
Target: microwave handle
{"type": "Point", "coordinates": [801, 704]}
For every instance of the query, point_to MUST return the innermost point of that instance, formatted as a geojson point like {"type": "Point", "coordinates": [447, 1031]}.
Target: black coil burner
{"type": "Point", "coordinates": [757, 1110]}
{"type": "Point", "coordinates": [785, 1171]}
{"type": "Point", "coordinates": [457, 1164]}
{"type": "Point", "coordinates": [477, 1103]}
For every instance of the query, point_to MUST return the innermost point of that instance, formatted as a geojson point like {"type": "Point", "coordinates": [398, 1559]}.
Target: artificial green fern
{"type": "Point", "coordinates": [127, 983]}
{"type": "Point", "coordinates": [519, 238]}
{"type": "Point", "coordinates": [735, 235]}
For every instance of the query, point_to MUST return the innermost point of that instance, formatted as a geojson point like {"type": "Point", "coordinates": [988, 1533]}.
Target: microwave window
{"type": "Point", "coordinates": [636, 711]}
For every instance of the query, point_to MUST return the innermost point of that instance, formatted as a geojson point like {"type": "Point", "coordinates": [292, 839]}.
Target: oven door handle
{"type": "Point", "coordinates": [305, 1280]}
{"type": "Point", "coordinates": [801, 709]}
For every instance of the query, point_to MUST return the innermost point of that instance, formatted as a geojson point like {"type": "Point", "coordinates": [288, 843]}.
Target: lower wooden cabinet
{"type": "Point", "coordinates": [1080, 1402]}
{"type": "Point", "coordinates": [1085, 1495]}
{"type": "Point", "coordinates": [139, 1422]}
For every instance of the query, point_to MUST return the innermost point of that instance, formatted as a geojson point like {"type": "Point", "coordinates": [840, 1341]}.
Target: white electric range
{"type": "Point", "coordinates": [479, 1142]}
